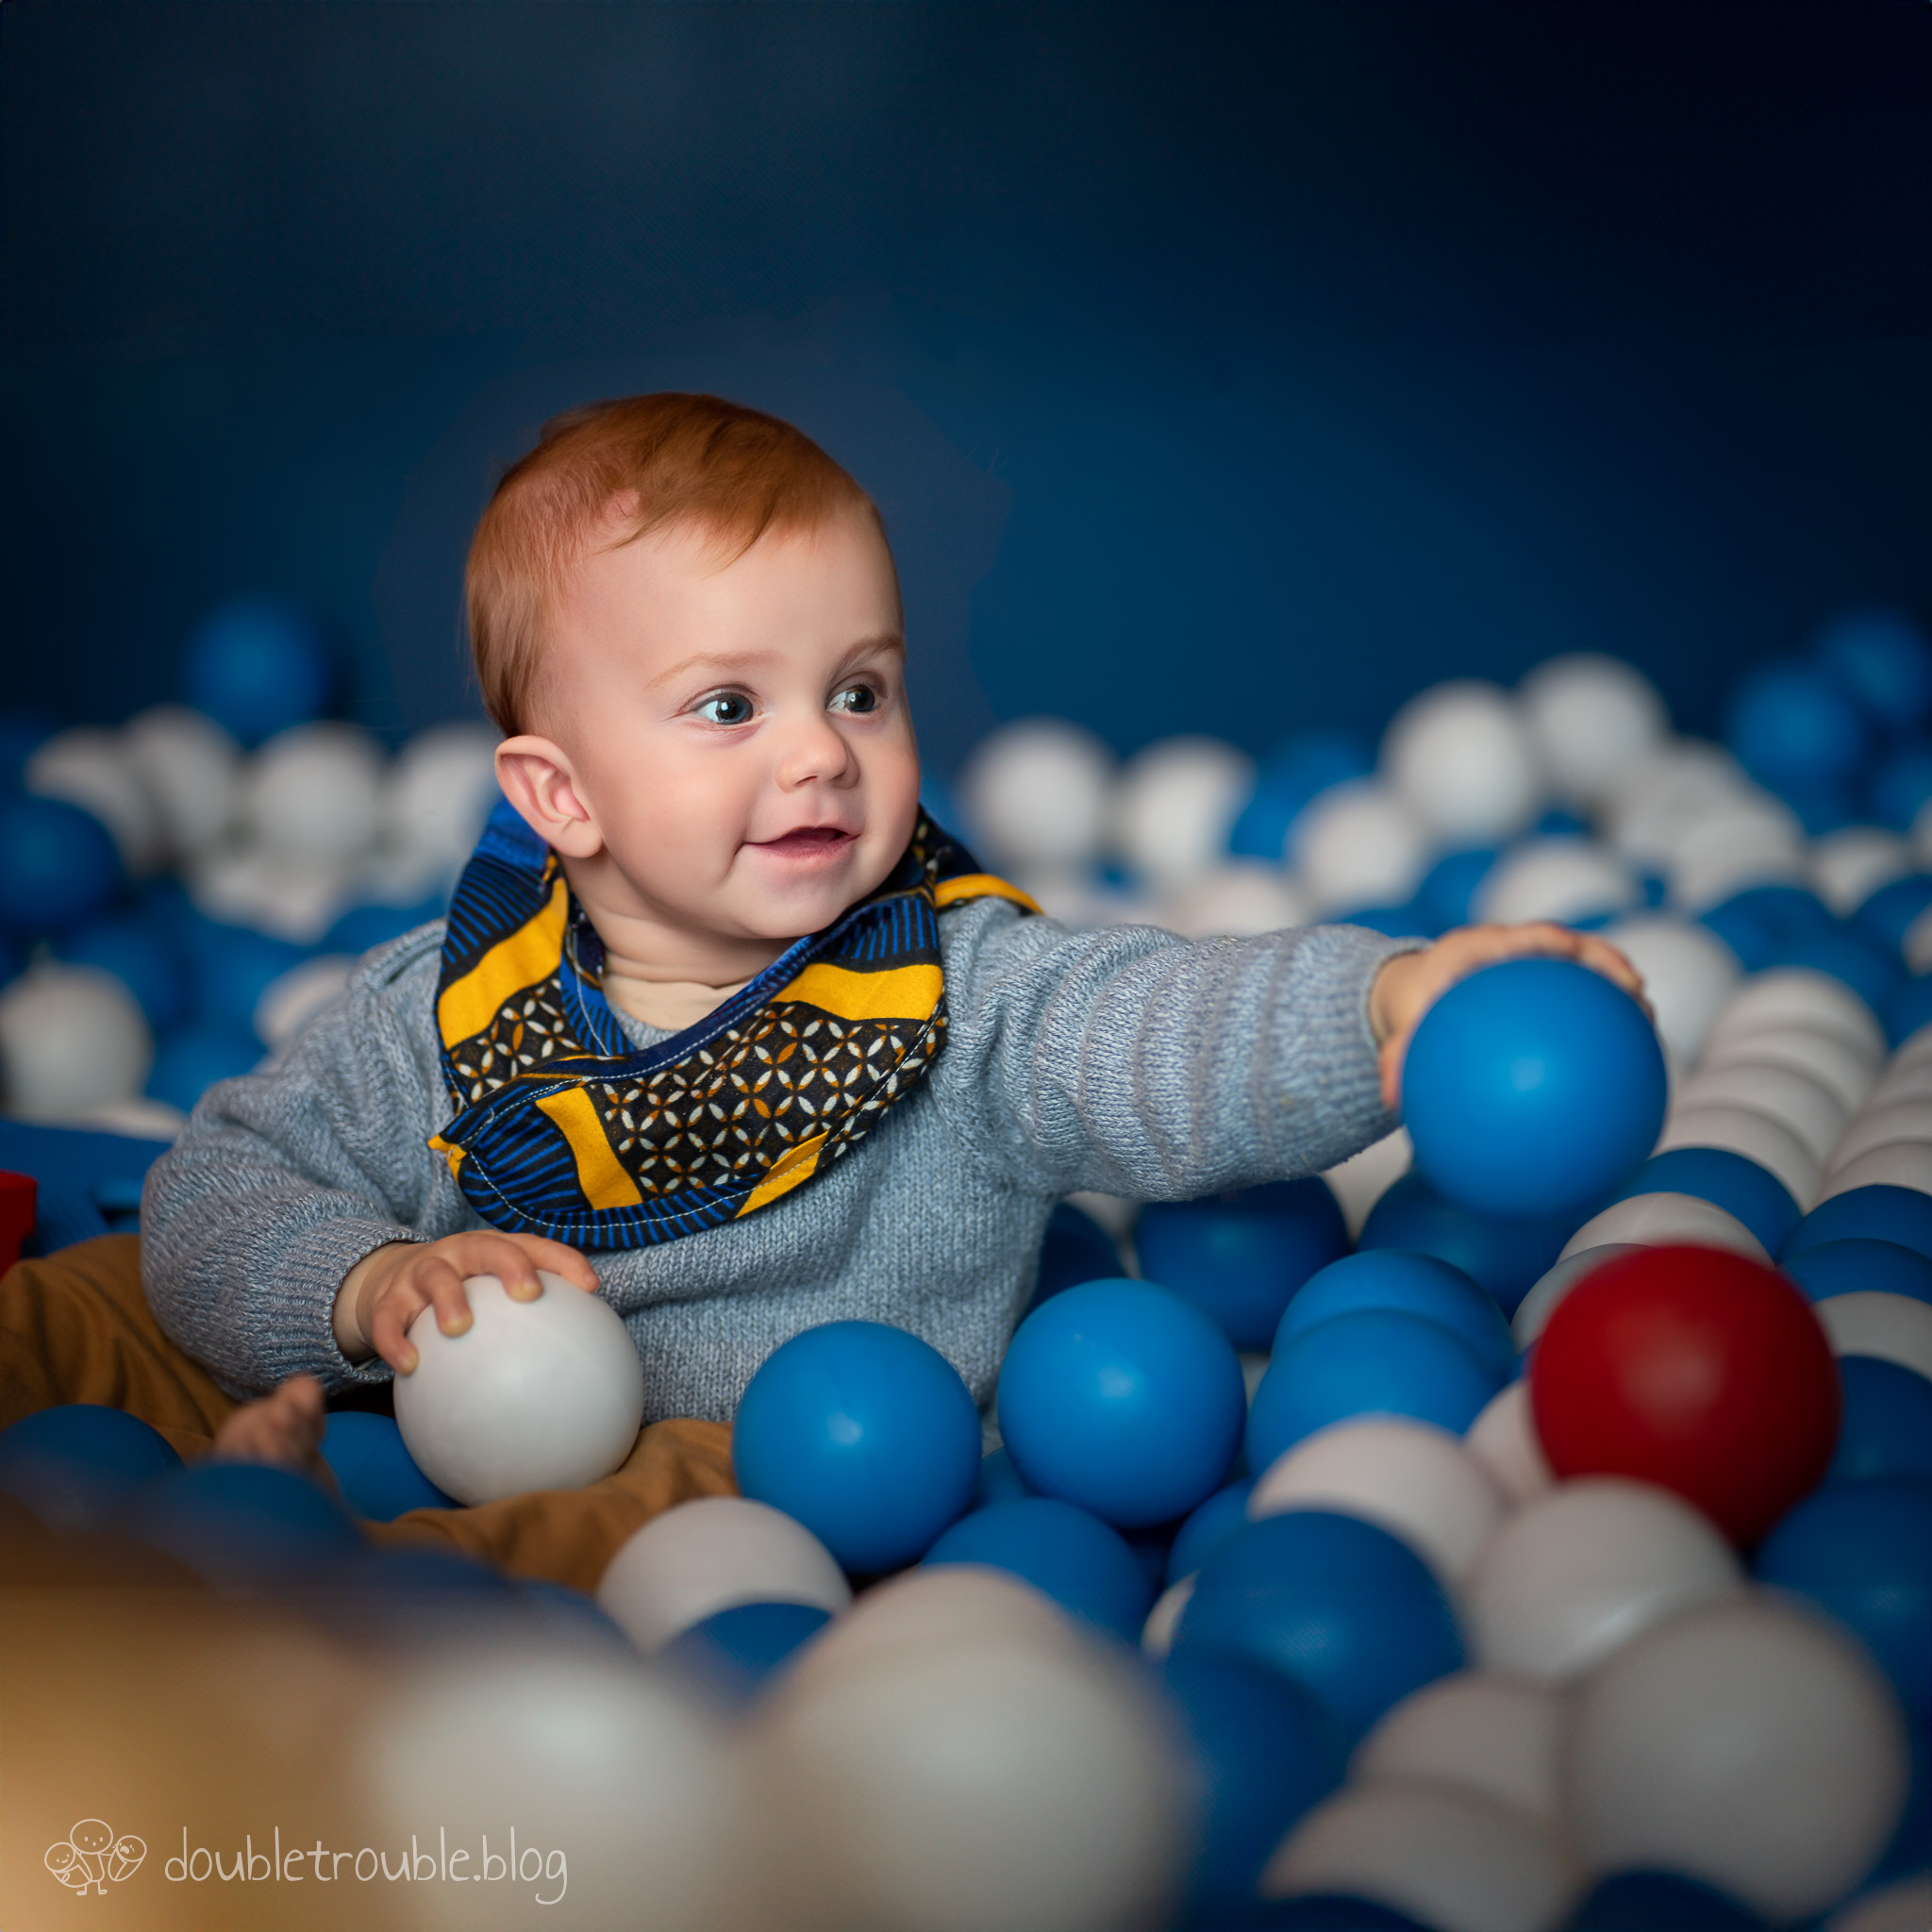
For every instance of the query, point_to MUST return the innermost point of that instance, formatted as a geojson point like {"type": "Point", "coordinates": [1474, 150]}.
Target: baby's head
{"type": "Point", "coordinates": [688, 626]}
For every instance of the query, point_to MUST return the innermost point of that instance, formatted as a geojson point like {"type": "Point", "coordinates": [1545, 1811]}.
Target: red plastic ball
{"type": "Point", "coordinates": [1699, 1370]}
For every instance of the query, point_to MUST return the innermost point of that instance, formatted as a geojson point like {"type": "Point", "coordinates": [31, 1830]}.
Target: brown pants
{"type": "Point", "coordinates": [77, 1328]}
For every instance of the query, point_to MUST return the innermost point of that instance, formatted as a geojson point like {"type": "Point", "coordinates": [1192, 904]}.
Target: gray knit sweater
{"type": "Point", "coordinates": [1127, 1060]}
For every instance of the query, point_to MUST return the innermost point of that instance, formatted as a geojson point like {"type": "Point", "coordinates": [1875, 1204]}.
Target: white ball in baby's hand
{"type": "Point", "coordinates": [71, 1038]}
{"type": "Point", "coordinates": [1035, 795]}
{"type": "Point", "coordinates": [1460, 754]}
{"type": "Point", "coordinates": [1177, 800]}
{"type": "Point", "coordinates": [533, 1396]}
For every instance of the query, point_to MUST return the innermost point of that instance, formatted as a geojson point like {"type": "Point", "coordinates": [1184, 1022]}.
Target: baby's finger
{"type": "Point", "coordinates": [559, 1259]}
{"type": "Point", "coordinates": [504, 1255]}
{"type": "Point", "coordinates": [442, 1284]}
{"type": "Point", "coordinates": [388, 1328]}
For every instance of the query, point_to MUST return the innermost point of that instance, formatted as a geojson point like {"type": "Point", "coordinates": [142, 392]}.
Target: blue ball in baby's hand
{"type": "Point", "coordinates": [1123, 1399]}
{"type": "Point", "coordinates": [1533, 1088]}
{"type": "Point", "coordinates": [864, 1434]}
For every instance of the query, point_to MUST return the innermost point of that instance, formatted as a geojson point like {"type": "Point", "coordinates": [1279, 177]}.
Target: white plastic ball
{"type": "Point", "coordinates": [1503, 1439]}
{"type": "Point", "coordinates": [1879, 1126]}
{"type": "Point", "coordinates": [1416, 1481]}
{"type": "Point", "coordinates": [1035, 795]}
{"type": "Point", "coordinates": [188, 764]}
{"type": "Point", "coordinates": [312, 792]}
{"type": "Point", "coordinates": [625, 1785]}
{"type": "Point", "coordinates": [303, 993]}
{"type": "Point", "coordinates": [1590, 718]}
{"type": "Point", "coordinates": [1562, 879]}
{"type": "Point", "coordinates": [1825, 1057]}
{"type": "Point", "coordinates": [1903, 1083]}
{"type": "Point", "coordinates": [287, 897]}
{"type": "Point", "coordinates": [1688, 974]}
{"type": "Point", "coordinates": [533, 1396]}
{"type": "Point", "coordinates": [1495, 1735]}
{"type": "Point", "coordinates": [1812, 1112]}
{"type": "Point", "coordinates": [1535, 1310]}
{"type": "Point", "coordinates": [1895, 1164]}
{"type": "Point", "coordinates": [71, 1039]}
{"type": "Point", "coordinates": [1358, 844]}
{"type": "Point", "coordinates": [1574, 1576]}
{"type": "Point", "coordinates": [1174, 805]}
{"type": "Point", "coordinates": [1743, 1744]}
{"type": "Point", "coordinates": [439, 791]}
{"type": "Point", "coordinates": [1849, 865]}
{"type": "Point", "coordinates": [92, 769]}
{"type": "Point", "coordinates": [1453, 1859]}
{"type": "Point", "coordinates": [1894, 1327]}
{"type": "Point", "coordinates": [1757, 1136]}
{"type": "Point", "coordinates": [1752, 842]}
{"type": "Point", "coordinates": [1665, 1219]}
{"type": "Point", "coordinates": [1650, 805]}
{"type": "Point", "coordinates": [1460, 754]}
{"type": "Point", "coordinates": [1800, 996]}
{"type": "Point", "coordinates": [1361, 1180]}
{"type": "Point", "coordinates": [1915, 1050]}
{"type": "Point", "coordinates": [1164, 1619]}
{"type": "Point", "coordinates": [709, 1555]}
{"type": "Point", "coordinates": [1239, 898]}
{"type": "Point", "coordinates": [1025, 1782]}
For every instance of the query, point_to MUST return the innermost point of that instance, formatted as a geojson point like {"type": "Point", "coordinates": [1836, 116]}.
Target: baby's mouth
{"type": "Point", "coordinates": [808, 842]}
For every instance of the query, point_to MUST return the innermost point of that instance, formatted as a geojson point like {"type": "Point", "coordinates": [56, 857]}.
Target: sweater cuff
{"type": "Point", "coordinates": [310, 1272]}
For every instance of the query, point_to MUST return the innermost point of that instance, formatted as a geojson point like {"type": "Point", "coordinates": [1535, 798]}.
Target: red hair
{"type": "Point", "coordinates": [652, 460]}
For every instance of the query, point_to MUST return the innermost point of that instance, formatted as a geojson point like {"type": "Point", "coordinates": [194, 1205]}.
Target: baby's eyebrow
{"type": "Point", "coordinates": [729, 661]}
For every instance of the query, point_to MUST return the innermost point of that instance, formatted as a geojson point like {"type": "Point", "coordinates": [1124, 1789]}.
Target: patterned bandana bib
{"type": "Point", "coordinates": [564, 1128]}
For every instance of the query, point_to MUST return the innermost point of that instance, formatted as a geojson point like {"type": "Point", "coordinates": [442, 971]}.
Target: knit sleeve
{"type": "Point", "coordinates": [1139, 1063]}
{"type": "Point", "coordinates": [285, 1178]}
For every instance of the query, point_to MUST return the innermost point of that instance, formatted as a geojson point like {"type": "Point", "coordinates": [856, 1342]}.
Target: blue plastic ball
{"type": "Point", "coordinates": [866, 1435]}
{"type": "Point", "coordinates": [141, 957]}
{"type": "Point", "coordinates": [57, 864]}
{"type": "Point", "coordinates": [256, 666]}
{"type": "Point", "coordinates": [1884, 660]}
{"type": "Point", "coordinates": [999, 1481]}
{"type": "Point", "coordinates": [1378, 1361]}
{"type": "Point", "coordinates": [1289, 776]}
{"type": "Point", "coordinates": [192, 1058]}
{"type": "Point", "coordinates": [74, 1466]}
{"type": "Point", "coordinates": [1659, 1902]}
{"type": "Point", "coordinates": [1907, 1008]}
{"type": "Point", "coordinates": [572, 1615]}
{"type": "Point", "coordinates": [734, 1653]}
{"type": "Point", "coordinates": [24, 728]}
{"type": "Point", "coordinates": [1886, 1428]}
{"type": "Point", "coordinates": [230, 968]}
{"type": "Point", "coordinates": [1901, 786]}
{"type": "Point", "coordinates": [1411, 1284]}
{"type": "Point", "coordinates": [1344, 1609]}
{"type": "Point", "coordinates": [375, 1471]}
{"type": "Point", "coordinates": [1241, 1256]}
{"type": "Point", "coordinates": [1506, 1258]}
{"type": "Point", "coordinates": [1224, 1515]}
{"type": "Point", "coordinates": [243, 1524]}
{"type": "Point", "coordinates": [1843, 952]}
{"type": "Point", "coordinates": [1862, 1553]}
{"type": "Point", "coordinates": [1266, 1752]}
{"type": "Point", "coordinates": [1075, 1248]}
{"type": "Point", "coordinates": [1794, 727]}
{"type": "Point", "coordinates": [1737, 1184]}
{"type": "Point", "coordinates": [1066, 1553]}
{"type": "Point", "coordinates": [1448, 889]}
{"type": "Point", "coordinates": [1887, 914]}
{"type": "Point", "coordinates": [1848, 1267]}
{"type": "Point", "coordinates": [1876, 1213]}
{"type": "Point", "coordinates": [362, 928]}
{"type": "Point", "coordinates": [1533, 1088]}
{"type": "Point", "coordinates": [1123, 1399]}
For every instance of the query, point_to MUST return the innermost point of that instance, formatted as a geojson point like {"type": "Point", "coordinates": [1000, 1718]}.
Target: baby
{"type": "Point", "coordinates": [716, 1006]}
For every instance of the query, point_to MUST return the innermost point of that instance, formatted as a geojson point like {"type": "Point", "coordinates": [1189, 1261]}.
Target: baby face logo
{"type": "Point", "coordinates": [90, 1855]}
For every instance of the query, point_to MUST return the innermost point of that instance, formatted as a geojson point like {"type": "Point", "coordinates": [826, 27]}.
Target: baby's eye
{"type": "Point", "coordinates": [724, 707]}
{"type": "Point", "coordinates": [856, 697]}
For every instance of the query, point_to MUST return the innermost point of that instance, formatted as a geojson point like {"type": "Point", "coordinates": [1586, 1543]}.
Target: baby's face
{"type": "Point", "coordinates": [738, 735]}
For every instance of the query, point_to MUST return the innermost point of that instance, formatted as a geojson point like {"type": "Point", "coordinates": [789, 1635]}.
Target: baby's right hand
{"type": "Point", "coordinates": [385, 1290]}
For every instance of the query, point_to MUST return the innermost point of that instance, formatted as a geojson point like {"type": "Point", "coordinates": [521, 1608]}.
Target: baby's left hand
{"type": "Point", "coordinates": [1410, 982]}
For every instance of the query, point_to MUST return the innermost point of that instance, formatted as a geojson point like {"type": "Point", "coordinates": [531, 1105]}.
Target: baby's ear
{"type": "Point", "coordinates": [536, 777]}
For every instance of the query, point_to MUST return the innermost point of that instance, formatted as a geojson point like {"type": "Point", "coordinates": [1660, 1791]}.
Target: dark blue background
{"type": "Point", "coordinates": [1217, 366]}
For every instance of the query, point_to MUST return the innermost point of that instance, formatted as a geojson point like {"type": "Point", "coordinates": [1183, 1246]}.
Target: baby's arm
{"type": "Point", "coordinates": [286, 1183]}
{"type": "Point", "coordinates": [1137, 1063]}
